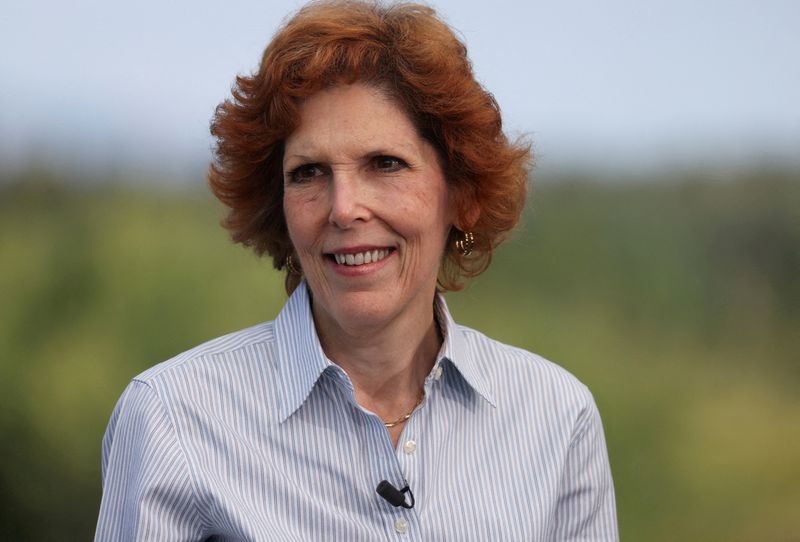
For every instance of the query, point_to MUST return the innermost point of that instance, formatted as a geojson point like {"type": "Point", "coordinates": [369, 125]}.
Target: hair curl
{"type": "Point", "coordinates": [409, 52]}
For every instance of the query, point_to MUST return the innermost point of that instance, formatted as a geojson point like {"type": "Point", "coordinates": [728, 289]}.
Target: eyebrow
{"type": "Point", "coordinates": [301, 157]}
{"type": "Point", "coordinates": [410, 152]}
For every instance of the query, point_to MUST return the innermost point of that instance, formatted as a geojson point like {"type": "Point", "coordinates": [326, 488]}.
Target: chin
{"type": "Point", "coordinates": [363, 309]}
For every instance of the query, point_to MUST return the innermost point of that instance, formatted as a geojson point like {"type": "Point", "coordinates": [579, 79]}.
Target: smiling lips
{"type": "Point", "coordinates": [361, 258]}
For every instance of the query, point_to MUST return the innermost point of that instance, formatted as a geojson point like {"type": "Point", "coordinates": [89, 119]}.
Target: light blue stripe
{"type": "Point", "coordinates": [257, 436]}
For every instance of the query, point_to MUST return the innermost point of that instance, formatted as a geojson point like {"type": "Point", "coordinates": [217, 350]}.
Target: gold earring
{"type": "Point", "coordinates": [465, 241]}
{"type": "Point", "coordinates": [291, 267]}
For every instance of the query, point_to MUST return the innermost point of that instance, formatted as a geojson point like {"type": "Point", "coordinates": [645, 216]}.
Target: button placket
{"type": "Point", "coordinates": [407, 454]}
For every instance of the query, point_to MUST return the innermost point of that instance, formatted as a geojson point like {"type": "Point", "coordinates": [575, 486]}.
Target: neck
{"type": "Point", "coordinates": [386, 365]}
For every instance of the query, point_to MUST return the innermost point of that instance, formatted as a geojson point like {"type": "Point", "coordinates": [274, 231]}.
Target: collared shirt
{"type": "Point", "coordinates": [257, 436]}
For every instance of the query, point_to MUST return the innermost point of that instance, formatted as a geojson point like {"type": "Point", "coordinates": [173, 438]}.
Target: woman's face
{"type": "Point", "coordinates": [367, 207]}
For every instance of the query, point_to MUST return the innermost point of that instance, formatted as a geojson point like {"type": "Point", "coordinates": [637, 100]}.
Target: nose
{"type": "Point", "coordinates": [348, 200]}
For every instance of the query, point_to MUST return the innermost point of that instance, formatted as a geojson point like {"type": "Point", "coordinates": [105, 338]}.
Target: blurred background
{"type": "Point", "coordinates": [659, 259]}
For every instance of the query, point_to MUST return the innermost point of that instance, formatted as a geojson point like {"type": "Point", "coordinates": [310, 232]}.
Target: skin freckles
{"type": "Point", "coordinates": [358, 177]}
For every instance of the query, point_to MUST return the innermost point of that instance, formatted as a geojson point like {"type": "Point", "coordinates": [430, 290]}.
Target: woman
{"type": "Point", "coordinates": [365, 159]}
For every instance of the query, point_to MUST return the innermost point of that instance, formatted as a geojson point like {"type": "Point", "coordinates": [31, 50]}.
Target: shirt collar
{"type": "Point", "coordinates": [301, 360]}
{"type": "Point", "coordinates": [457, 351]}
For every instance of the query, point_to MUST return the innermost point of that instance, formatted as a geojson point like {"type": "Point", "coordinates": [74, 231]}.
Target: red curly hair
{"type": "Point", "coordinates": [405, 50]}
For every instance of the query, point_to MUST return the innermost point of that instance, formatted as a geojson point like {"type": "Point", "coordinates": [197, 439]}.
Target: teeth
{"type": "Point", "coordinates": [361, 258]}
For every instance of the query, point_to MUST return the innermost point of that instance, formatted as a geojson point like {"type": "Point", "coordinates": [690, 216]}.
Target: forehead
{"type": "Point", "coordinates": [356, 114]}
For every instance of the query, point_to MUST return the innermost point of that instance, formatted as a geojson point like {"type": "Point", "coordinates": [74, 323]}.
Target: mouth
{"type": "Point", "coordinates": [363, 257]}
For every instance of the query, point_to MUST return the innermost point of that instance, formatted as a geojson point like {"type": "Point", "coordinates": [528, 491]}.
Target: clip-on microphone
{"type": "Point", "coordinates": [395, 497]}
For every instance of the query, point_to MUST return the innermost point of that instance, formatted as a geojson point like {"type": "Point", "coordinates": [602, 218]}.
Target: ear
{"type": "Point", "coordinates": [469, 218]}
{"type": "Point", "coordinates": [465, 210]}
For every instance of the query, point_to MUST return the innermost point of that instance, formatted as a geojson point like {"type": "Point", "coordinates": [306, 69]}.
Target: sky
{"type": "Point", "coordinates": [605, 84]}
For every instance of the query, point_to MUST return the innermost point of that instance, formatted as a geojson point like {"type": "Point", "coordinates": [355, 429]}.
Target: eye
{"type": "Point", "coordinates": [388, 164]}
{"type": "Point", "coordinates": [305, 173]}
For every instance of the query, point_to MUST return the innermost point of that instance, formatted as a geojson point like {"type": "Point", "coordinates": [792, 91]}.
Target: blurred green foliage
{"type": "Point", "coordinates": [677, 301]}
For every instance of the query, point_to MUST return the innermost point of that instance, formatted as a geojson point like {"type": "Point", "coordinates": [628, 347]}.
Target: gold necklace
{"type": "Point", "coordinates": [403, 419]}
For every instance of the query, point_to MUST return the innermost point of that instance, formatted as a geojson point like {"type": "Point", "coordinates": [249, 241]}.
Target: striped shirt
{"type": "Point", "coordinates": [257, 436]}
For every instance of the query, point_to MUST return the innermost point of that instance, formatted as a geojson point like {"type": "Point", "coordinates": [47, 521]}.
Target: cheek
{"type": "Point", "coordinates": [421, 198]}
{"type": "Point", "coordinates": [302, 208]}
{"type": "Point", "coordinates": [298, 220]}
{"type": "Point", "coordinates": [426, 208]}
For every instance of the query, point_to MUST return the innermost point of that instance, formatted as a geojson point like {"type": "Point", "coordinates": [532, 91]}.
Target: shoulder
{"type": "Point", "coordinates": [216, 376]}
{"type": "Point", "coordinates": [514, 371]}
{"type": "Point", "coordinates": [217, 372]}
{"type": "Point", "coordinates": [243, 347]}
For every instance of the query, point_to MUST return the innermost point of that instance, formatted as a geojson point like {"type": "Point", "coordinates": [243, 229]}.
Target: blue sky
{"type": "Point", "coordinates": [595, 84]}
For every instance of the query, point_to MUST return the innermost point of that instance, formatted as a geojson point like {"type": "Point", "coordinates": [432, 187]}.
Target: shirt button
{"type": "Point", "coordinates": [401, 526]}
{"type": "Point", "coordinates": [437, 374]}
{"type": "Point", "coordinates": [410, 447]}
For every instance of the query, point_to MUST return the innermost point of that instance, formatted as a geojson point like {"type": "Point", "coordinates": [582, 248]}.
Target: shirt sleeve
{"type": "Point", "coordinates": [147, 486]}
{"type": "Point", "coordinates": [586, 509]}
